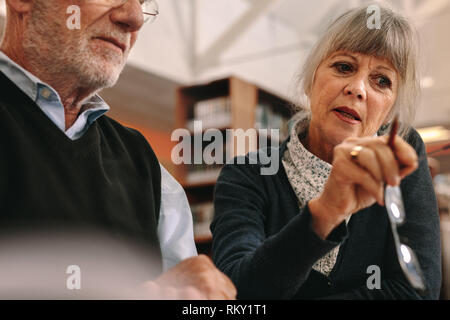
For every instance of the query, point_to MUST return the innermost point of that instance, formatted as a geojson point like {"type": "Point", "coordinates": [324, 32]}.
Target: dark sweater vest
{"type": "Point", "coordinates": [107, 180]}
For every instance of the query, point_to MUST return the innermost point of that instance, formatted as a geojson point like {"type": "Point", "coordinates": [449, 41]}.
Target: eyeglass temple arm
{"type": "Point", "coordinates": [151, 14]}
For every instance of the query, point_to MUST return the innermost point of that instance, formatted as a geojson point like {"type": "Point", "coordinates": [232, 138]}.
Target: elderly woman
{"type": "Point", "coordinates": [318, 228]}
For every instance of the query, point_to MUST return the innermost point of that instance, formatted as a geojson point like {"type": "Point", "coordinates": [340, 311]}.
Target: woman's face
{"type": "Point", "coordinates": [351, 96]}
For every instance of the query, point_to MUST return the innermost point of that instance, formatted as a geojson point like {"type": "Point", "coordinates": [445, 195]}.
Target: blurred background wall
{"type": "Point", "coordinates": [261, 41]}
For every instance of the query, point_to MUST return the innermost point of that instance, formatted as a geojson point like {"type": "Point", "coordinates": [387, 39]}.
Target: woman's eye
{"type": "Point", "coordinates": [343, 67]}
{"type": "Point", "coordinates": [383, 82]}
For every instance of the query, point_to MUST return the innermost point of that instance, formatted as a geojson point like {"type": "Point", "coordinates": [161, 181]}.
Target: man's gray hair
{"type": "Point", "coordinates": [396, 41]}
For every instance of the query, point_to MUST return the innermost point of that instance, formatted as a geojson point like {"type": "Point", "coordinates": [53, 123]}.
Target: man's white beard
{"type": "Point", "coordinates": [48, 50]}
{"type": "Point", "coordinates": [95, 68]}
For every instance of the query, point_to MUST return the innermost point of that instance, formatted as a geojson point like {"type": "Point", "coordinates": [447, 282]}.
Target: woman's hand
{"type": "Point", "coordinates": [355, 184]}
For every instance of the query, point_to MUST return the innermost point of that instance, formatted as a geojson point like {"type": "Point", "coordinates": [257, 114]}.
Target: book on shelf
{"type": "Point", "coordinates": [442, 189]}
{"type": "Point", "coordinates": [214, 113]}
{"type": "Point", "coordinates": [267, 118]}
{"type": "Point", "coordinates": [202, 214]}
{"type": "Point", "coordinates": [212, 162]}
{"type": "Point", "coordinates": [203, 173]}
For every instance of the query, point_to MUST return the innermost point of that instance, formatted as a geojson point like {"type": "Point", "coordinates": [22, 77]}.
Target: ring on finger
{"type": "Point", "coordinates": [355, 152]}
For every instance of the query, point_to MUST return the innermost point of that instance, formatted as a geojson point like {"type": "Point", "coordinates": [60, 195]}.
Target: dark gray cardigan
{"type": "Point", "coordinates": [266, 245]}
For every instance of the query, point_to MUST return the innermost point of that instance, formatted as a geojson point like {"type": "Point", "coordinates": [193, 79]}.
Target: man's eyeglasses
{"type": "Point", "coordinates": [149, 7]}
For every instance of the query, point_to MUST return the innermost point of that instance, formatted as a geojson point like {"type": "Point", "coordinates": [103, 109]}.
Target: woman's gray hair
{"type": "Point", "coordinates": [396, 41]}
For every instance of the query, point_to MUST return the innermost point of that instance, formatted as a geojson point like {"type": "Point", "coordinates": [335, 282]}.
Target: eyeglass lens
{"type": "Point", "coordinates": [406, 256]}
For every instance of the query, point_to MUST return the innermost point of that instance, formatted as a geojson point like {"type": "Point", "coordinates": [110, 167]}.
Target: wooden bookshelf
{"type": "Point", "coordinates": [442, 156]}
{"type": "Point", "coordinates": [242, 100]}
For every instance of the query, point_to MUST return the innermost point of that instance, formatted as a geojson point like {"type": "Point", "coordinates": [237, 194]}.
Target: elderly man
{"type": "Point", "coordinates": [65, 163]}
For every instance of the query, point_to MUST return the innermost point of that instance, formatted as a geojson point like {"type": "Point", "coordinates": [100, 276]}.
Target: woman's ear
{"type": "Point", "coordinates": [20, 6]}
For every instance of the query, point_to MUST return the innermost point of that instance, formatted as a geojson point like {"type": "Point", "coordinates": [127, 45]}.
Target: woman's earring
{"type": "Point", "coordinates": [384, 128]}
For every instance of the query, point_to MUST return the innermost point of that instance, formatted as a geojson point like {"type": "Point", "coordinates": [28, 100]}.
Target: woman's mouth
{"type": "Point", "coordinates": [348, 115]}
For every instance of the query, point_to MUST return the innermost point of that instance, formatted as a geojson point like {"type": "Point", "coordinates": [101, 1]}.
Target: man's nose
{"type": "Point", "coordinates": [357, 88]}
{"type": "Point", "coordinates": [128, 16]}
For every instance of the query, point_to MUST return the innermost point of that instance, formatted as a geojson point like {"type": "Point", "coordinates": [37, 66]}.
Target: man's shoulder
{"type": "Point", "coordinates": [131, 137]}
{"type": "Point", "coordinates": [108, 122]}
{"type": "Point", "coordinates": [114, 127]}
{"type": "Point", "coordinates": [169, 185]}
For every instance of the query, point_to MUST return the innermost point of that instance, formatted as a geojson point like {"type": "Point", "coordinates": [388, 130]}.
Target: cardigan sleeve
{"type": "Point", "coordinates": [421, 231]}
{"type": "Point", "coordinates": [262, 267]}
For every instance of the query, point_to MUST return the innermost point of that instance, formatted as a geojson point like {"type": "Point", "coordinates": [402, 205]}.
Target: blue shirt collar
{"type": "Point", "coordinates": [48, 99]}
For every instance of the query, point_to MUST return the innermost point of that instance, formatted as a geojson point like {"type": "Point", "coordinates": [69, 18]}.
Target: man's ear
{"type": "Point", "coordinates": [20, 6]}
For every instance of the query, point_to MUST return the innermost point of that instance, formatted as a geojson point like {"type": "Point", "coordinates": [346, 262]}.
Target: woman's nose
{"type": "Point", "coordinates": [356, 88]}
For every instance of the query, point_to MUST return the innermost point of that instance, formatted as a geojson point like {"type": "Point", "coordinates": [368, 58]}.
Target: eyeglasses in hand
{"type": "Point", "coordinates": [396, 212]}
{"type": "Point", "coordinates": [406, 256]}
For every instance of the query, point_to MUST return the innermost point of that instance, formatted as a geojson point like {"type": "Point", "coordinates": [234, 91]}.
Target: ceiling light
{"type": "Point", "coordinates": [434, 134]}
{"type": "Point", "coordinates": [426, 82]}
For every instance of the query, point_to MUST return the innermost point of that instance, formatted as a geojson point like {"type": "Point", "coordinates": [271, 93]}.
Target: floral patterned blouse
{"type": "Point", "coordinates": [307, 175]}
